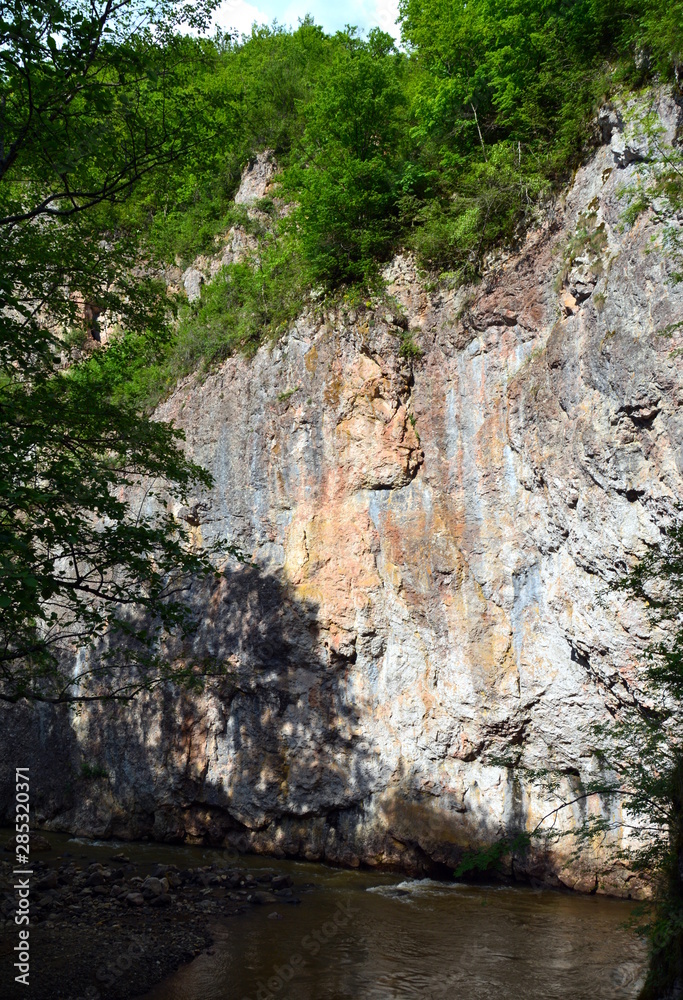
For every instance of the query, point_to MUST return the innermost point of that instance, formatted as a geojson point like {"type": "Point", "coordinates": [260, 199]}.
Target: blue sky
{"type": "Point", "coordinates": [241, 14]}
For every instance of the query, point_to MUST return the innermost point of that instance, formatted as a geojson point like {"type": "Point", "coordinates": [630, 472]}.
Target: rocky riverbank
{"type": "Point", "coordinates": [110, 929]}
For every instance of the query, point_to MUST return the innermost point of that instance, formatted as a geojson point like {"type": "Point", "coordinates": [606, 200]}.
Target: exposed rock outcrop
{"type": "Point", "coordinates": [433, 545]}
{"type": "Point", "coordinates": [238, 244]}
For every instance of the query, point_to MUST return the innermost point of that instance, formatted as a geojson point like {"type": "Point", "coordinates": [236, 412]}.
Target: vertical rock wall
{"type": "Point", "coordinates": [433, 542]}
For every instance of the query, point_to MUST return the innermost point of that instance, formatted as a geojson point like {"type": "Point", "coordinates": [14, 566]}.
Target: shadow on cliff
{"type": "Point", "coordinates": [485, 827]}
{"type": "Point", "coordinates": [40, 738]}
{"type": "Point", "coordinates": [263, 759]}
{"type": "Point", "coordinates": [274, 757]}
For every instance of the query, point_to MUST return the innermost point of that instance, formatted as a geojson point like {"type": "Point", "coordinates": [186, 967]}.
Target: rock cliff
{"type": "Point", "coordinates": [433, 540]}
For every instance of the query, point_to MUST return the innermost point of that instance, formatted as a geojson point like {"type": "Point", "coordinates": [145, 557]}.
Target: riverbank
{"type": "Point", "coordinates": [108, 924]}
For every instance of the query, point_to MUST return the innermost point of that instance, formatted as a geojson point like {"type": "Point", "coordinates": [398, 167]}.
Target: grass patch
{"type": "Point", "coordinates": [90, 771]}
{"type": "Point", "coordinates": [409, 348]}
{"type": "Point", "coordinates": [287, 394]}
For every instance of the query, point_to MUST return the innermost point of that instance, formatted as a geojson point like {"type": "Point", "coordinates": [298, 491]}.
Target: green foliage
{"type": "Point", "coordinates": [92, 99]}
{"type": "Point", "coordinates": [520, 73]}
{"type": "Point", "coordinates": [245, 304]}
{"type": "Point", "coordinates": [646, 752]}
{"type": "Point", "coordinates": [493, 198]}
{"type": "Point", "coordinates": [655, 35]}
{"type": "Point", "coordinates": [348, 167]}
{"type": "Point", "coordinates": [81, 568]}
{"type": "Point", "coordinates": [246, 96]}
{"type": "Point", "coordinates": [503, 112]}
{"type": "Point", "coordinates": [489, 859]}
{"type": "Point", "coordinates": [78, 563]}
{"type": "Point", "coordinates": [287, 394]}
{"type": "Point", "coordinates": [448, 149]}
{"type": "Point", "coordinates": [90, 771]}
{"type": "Point", "coordinates": [408, 348]}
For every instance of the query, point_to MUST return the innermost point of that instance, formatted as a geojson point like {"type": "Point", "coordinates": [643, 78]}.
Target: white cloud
{"type": "Point", "coordinates": [385, 17]}
{"type": "Point", "coordinates": [239, 16]}
{"type": "Point", "coordinates": [365, 14]}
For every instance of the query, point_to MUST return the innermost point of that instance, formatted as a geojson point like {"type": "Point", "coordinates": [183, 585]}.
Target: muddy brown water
{"type": "Point", "coordinates": [399, 939]}
{"type": "Point", "coordinates": [360, 935]}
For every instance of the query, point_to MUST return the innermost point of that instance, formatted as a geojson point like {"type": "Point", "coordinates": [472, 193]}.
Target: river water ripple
{"type": "Point", "coordinates": [363, 936]}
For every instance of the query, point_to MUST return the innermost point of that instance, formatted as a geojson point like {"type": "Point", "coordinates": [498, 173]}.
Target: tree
{"type": "Point", "coordinates": [349, 163]}
{"type": "Point", "coordinates": [503, 110]}
{"type": "Point", "coordinates": [91, 99]}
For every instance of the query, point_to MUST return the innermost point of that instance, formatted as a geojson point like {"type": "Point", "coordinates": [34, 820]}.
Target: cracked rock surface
{"type": "Point", "coordinates": [432, 544]}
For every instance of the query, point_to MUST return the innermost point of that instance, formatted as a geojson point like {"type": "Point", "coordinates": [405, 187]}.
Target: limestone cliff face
{"type": "Point", "coordinates": [433, 542]}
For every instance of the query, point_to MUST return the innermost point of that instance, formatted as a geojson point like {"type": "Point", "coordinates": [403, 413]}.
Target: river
{"type": "Point", "coordinates": [368, 936]}
{"type": "Point", "coordinates": [363, 935]}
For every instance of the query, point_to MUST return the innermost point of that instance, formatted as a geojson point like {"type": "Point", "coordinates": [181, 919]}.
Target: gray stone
{"type": "Point", "coordinates": [433, 547]}
{"type": "Point", "coordinates": [632, 149]}
{"type": "Point", "coordinates": [48, 882]}
{"type": "Point", "coordinates": [256, 178]}
{"type": "Point", "coordinates": [609, 121]}
{"type": "Point", "coordinates": [155, 886]}
{"type": "Point", "coordinates": [262, 897]}
{"type": "Point", "coordinates": [193, 279]}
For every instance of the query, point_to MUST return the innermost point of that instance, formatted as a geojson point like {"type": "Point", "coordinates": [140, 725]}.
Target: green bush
{"type": "Point", "coordinates": [348, 165]}
{"type": "Point", "coordinates": [245, 304]}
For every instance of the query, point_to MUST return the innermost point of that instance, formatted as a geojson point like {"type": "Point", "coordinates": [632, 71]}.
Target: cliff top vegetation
{"type": "Point", "coordinates": [447, 148]}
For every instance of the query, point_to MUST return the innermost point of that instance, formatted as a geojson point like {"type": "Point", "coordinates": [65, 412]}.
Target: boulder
{"type": "Point", "coordinates": [155, 886]}
{"type": "Point", "coordinates": [261, 897]}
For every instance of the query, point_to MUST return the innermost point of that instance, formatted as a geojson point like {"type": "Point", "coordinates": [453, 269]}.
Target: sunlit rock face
{"type": "Point", "coordinates": [433, 542]}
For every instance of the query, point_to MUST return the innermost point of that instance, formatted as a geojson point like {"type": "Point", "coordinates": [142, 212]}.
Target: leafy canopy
{"type": "Point", "coordinates": [91, 101]}
{"type": "Point", "coordinates": [347, 172]}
